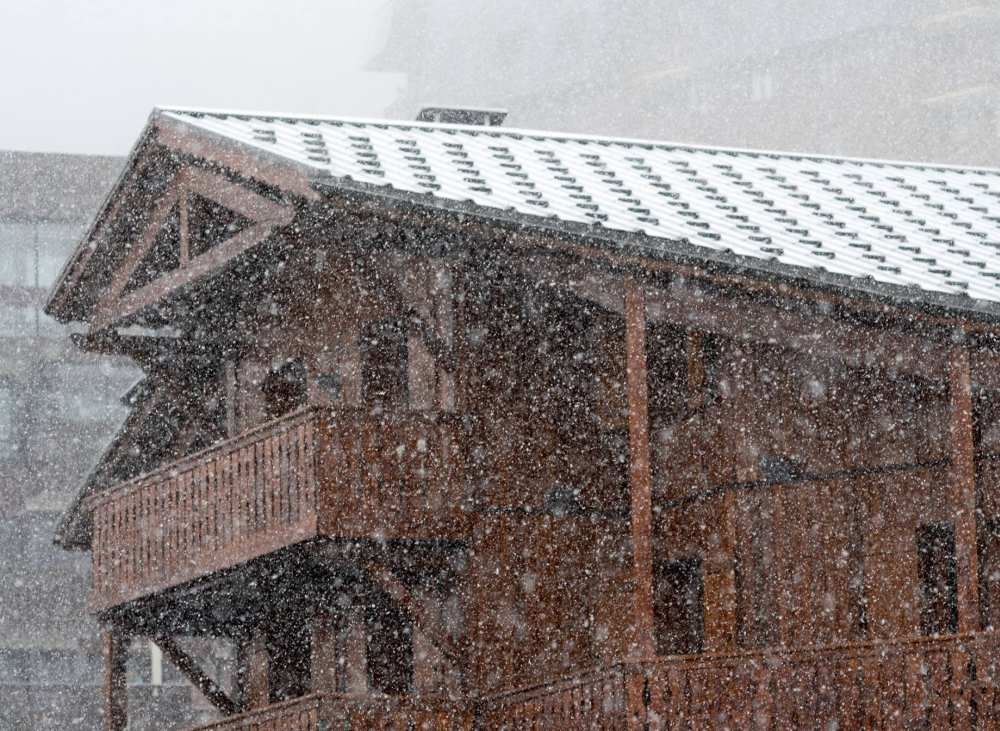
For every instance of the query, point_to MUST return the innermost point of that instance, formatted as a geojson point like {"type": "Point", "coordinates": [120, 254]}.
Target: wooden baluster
{"type": "Point", "coordinates": [97, 554]}
{"type": "Point", "coordinates": [197, 520]}
{"type": "Point", "coordinates": [241, 508]}
{"type": "Point", "coordinates": [281, 479]}
{"type": "Point", "coordinates": [117, 538]}
{"type": "Point", "coordinates": [204, 500]}
{"type": "Point", "coordinates": [294, 475]}
{"type": "Point", "coordinates": [223, 515]}
{"type": "Point", "coordinates": [178, 527]}
{"type": "Point", "coordinates": [280, 445]}
{"type": "Point", "coordinates": [307, 458]}
{"type": "Point", "coordinates": [257, 488]}
{"type": "Point", "coordinates": [266, 466]}
{"type": "Point", "coordinates": [156, 531]}
{"type": "Point", "coordinates": [285, 473]}
{"type": "Point", "coordinates": [235, 514]}
{"type": "Point", "coordinates": [143, 530]}
{"type": "Point", "coordinates": [190, 507]}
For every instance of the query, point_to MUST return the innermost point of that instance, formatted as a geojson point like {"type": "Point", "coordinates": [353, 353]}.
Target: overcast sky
{"type": "Point", "coordinates": [82, 75]}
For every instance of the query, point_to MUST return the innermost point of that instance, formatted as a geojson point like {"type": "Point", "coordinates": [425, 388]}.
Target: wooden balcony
{"type": "Point", "coordinates": [940, 683]}
{"type": "Point", "coordinates": [317, 712]}
{"type": "Point", "coordinates": [308, 474]}
{"type": "Point", "coordinates": [603, 699]}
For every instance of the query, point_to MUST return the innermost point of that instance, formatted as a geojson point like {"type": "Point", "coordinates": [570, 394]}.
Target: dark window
{"type": "Point", "coordinates": [389, 649]}
{"type": "Point", "coordinates": [938, 578]}
{"type": "Point", "coordinates": [285, 389]}
{"type": "Point", "coordinates": [678, 606]}
{"type": "Point", "coordinates": [384, 372]}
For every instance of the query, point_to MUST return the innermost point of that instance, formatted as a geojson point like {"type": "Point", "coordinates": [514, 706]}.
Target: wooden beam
{"type": "Point", "coordinates": [640, 475]}
{"type": "Point", "coordinates": [199, 678]}
{"type": "Point", "coordinates": [427, 624]}
{"type": "Point", "coordinates": [115, 650]}
{"type": "Point", "coordinates": [252, 677]}
{"type": "Point", "coordinates": [199, 267]}
{"type": "Point", "coordinates": [158, 216]}
{"type": "Point", "coordinates": [235, 197]}
{"type": "Point", "coordinates": [690, 306]}
{"type": "Point", "coordinates": [963, 487]}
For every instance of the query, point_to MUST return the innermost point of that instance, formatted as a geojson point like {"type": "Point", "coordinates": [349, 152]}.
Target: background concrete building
{"type": "Point", "coordinates": [910, 79]}
{"type": "Point", "coordinates": [58, 408]}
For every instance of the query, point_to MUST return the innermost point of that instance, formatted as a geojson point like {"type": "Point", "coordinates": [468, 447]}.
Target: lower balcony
{"type": "Point", "coordinates": [941, 683]}
{"type": "Point", "coordinates": [309, 474]}
{"type": "Point", "coordinates": [321, 713]}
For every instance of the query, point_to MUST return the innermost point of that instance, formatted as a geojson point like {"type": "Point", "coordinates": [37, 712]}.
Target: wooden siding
{"type": "Point", "coordinates": [291, 479]}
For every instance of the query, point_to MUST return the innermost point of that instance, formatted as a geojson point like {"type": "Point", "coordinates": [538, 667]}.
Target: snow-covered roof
{"type": "Point", "coordinates": [928, 228]}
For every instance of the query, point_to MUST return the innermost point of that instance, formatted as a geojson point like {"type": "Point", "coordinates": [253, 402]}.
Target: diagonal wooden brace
{"type": "Point", "coordinates": [392, 586]}
{"type": "Point", "coordinates": [198, 677]}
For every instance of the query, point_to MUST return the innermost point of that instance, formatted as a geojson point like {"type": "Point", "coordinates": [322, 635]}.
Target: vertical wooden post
{"type": "Point", "coordinates": [963, 487]}
{"type": "Point", "coordinates": [115, 648]}
{"type": "Point", "coordinates": [640, 475]}
{"type": "Point", "coordinates": [720, 566]}
{"type": "Point", "coordinates": [252, 672]}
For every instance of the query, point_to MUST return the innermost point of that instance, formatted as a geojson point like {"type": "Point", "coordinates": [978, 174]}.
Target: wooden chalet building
{"type": "Point", "coordinates": [463, 427]}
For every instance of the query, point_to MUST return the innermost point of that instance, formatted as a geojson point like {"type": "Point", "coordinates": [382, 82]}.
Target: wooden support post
{"type": "Point", "coordinates": [963, 487]}
{"type": "Point", "coordinates": [640, 475]}
{"type": "Point", "coordinates": [115, 646]}
{"type": "Point", "coordinates": [199, 678]}
{"type": "Point", "coordinates": [252, 673]}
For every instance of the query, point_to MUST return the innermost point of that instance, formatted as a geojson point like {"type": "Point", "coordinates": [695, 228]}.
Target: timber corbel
{"type": "Point", "coordinates": [190, 669]}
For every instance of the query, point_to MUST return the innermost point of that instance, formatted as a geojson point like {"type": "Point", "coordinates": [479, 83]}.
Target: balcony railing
{"type": "Point", "coordinates": [940, 683]}
{"type": "Point", "coordinates": [603, 699]}
{"type": "Point", "coordinates": [345, 713]}
{"type": "Point", "coordinates": [301, 714]}
{"type": "Point", "coordinates": [301, 476]}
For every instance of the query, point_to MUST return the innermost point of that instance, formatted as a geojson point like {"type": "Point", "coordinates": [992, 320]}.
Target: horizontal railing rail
{"type": "Point", "coordinates": [300, 714]}
{"type": "Point", "coordinates": [389, 713]}
{"type": "Point", "coordinates": [350, 713]}
{"type": "Point", "coordinates": [596, 699]}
